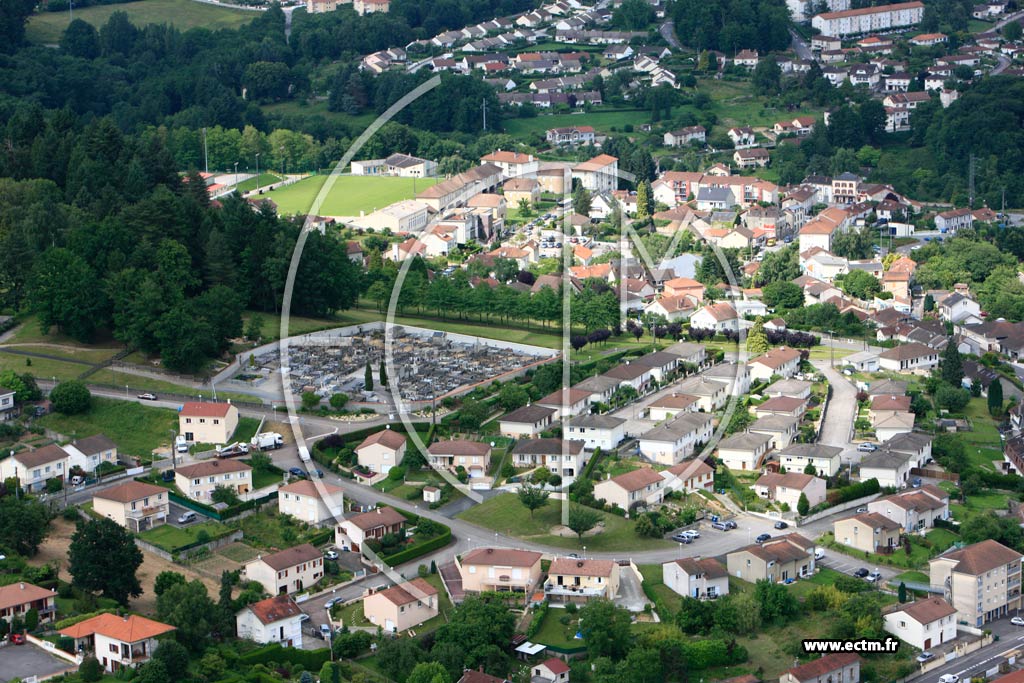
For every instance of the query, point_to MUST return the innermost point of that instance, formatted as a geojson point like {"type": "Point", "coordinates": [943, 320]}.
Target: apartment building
{"type": "Point", "coordinates": [981, 581]}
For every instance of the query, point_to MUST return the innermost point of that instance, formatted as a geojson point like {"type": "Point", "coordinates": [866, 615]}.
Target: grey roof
{"type": "Point", "coordinates": [658, 359]}
{"type": "Point", "coordinates": [92, 445]}
{"type": "Point", "coordinates": [744, 441]}
{"type": "Point", "coordinates": [715, 194]}
{"type": "Point", "coordinates": [729, 371]}
{"type": "Point", "coordinates": [774, 423]}
{"type": "Point", "coordinates": [528, 415]}
{"type": "Point", "coordinates": [597, 385]}
{"type": "Point", "coordinates": [596, 421]}
{"type": "Point", "coordinates": [680, 425]}
{"type": "Point", "coordinates": [804, 450]}
{"type": "Point", "coordinates": [888, 387]}
{"type": "Point", "coordinates": [787, 387]}
{"type": "Point", "coordinates": [701, 386]}
{"type": "Point", "coordinates": [860, 357]}
{"type": "Point", "coordinates": [884, 460]}
{"type": "Point", "coordinates": [684, 349]}
{"type": "Point", "coordinates": [909, 442]}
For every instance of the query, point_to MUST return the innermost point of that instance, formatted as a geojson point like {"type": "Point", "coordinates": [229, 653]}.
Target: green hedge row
{"type": "Point", "coordinates": [420, 549]}
{"type": "Point", "coordinates": [321, 537]}
{"type": "Point", "coordinates": [208, 510]}
{"type": "Point", "coordinates": [310, 660]}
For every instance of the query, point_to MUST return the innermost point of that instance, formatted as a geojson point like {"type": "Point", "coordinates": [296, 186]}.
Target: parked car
{"type": "Point", "coordinates": [861, 510]}
{"type": "Point", "coordinates": [331, 554]}
{"type": "Point", "coordinates": [18, 638]}
{"type": "Point", "coordinates": [762, 538]}
{"type": "Point", "coordinates": [1017, 621]}
{"type": "Point", "coordinates": [691, 533]}
{"type": "Point", "coordinates": [819, 553]}
{"type": "Point", "coordinates": [949, 678]}
{"type": "Point", "coordinates": [731, 524]}
{"type": "Point", "coordinates": [332, 602]}
{"type": "Point", "coordinates": [187, 518]}
{"type": "Point", "coordinates": [325, 631]}
{"type": "Point", "coordinates": [916, 483]}
{"type": "Point", "coordinates": [867, 447]}
{"type": "Point", "coordinates": [721, 526]}
{"type": "Point", "coordinates": [147, 396]}
{"type": "Point", "coordinates": [781, 525]}
{"type": "Point", "coordinates": [874, 576]}
{"type": "Point", "coordinates": [297, 472]}
{"type": "Point", "coordinates": [679, 538]}
{"type": "Point", "coordinates": [925, 657]}
{"type": "Point", "coordinates": [860, 573]}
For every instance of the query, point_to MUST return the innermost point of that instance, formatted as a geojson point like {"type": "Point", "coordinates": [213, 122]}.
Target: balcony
{"type": "Point", "coordinates": [142, 513]}
{"type": "Point", "coordinates": [554, 590]}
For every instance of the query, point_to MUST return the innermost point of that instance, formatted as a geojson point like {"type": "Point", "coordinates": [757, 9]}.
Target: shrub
{"type": "Point", "coordinates": [90, 670]}
{"type": "Point", "coordinates": [71, 397]}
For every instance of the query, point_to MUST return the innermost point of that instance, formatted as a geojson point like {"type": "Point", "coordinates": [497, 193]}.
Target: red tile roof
{"type": "Point", "coordinates": [819, 667]}
{"type": "Point", "coordinates": [129, 491]}
{"type": "Point", "coordinates": [386, 437]}
{"type": "Point", "coordinates": [501, 557]}
{"type": "Point", "coordinates": [206, 409]}
{"type": "Point", "coordinates": [130, 629]}
{"type": "Point", "coordinates": [277, 608]}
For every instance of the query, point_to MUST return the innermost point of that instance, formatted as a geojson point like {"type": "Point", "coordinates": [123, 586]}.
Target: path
{"type": "Point", "coordinates": [837, 428]}
{"type": "Point", "coordinates": [668, 32]}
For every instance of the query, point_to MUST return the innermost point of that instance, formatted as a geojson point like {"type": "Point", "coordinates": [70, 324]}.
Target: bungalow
{"type": "Point", "coordinates": [843, 666]}
{"type": "Point", "coordinates": [825, 459]}
{"type": "Point", "coordinates": [783, 361]}
{"type": "Point", "coordinates": [116, 641]}
{"type": "Point", "coordinates": [352, 532]}
{"type": "Point", "coordinates": [778, 559]}
{"type": "Point", "coordinates": [672, 308]}
{"type": "Point", "coordinates": [914, 509]}
{"type": "Point", "coordinates": [869, 532]}
{"type": "Point", "coordinates": [639, 488]}
{"type": "Point", "coordinates": [274, 620]}
{"type": "Point", "coordinates": [402, 607]}
{"type": "Point", "coordinates": [288, 571]}
{"type": "Point", "coordinates": [787, 406]}
{"type": "Point", "coordinates": [701, 578]}
{"type": "Point", "coordinates": [862, 361]}
{"type": "Point", "coordinates": [890, 468]}
{"type": "Point", "coordinates": [751, 158]}
{"type": "Point", "coordinates": [134, 505]}
{"type": "Point", "coordinates": [781, 430]}
{"type": "Point", "coordinates": [596, 431]}
{"type": "Point", "coordinates": [199, 481]}
{"type": "Point", "coordinates": [551, 670]}
{"type": "Point", "coordinates": [499, 569]}
{"type": "Point", "coordinates": [924, 623]}
{"type": "Point", "coordinates": [670, 405]}
{"type": "Point", "coordinates": [18, 598]}
{"type": "Point", "coordinates": [669, 443]}
{"type": "Point", "coordinates": [207, 422]}
{"type": "Point", "coordinates": [690, 476]}
{"type": "Point", "coordinates": [572, 580]}
{"type": "Point", "coordinates": [568, 402]}
{"type": "Point", "coordinates": [908, 358]}
{"type": "Point", "coordinates": [381, 451]}
{"type": "Point", "coordinates": [473, 456]}
{"type": "Point", "coordinates": [562, 457]}
{"type": "Point", "coordinates": [311, 502]}
{"type": "Point", "coordinates": [528, 421]}
{"type": "Point", "coordinates": [631, 375]}
{"type": "Point", "coordinates": [787, 488]}
{"type": "Point", "coordinates": [744, 451]}
{"type": "Point", "coordinates": [718, 317]}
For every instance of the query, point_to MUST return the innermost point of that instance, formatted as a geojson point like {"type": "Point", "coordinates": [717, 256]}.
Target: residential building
{"type": "Point", "coordinates": [684, 136]}
{"type": "Point", "coordinates": [787, 488]}
{"type": "Point", "coordinates": [869, 532]}
{"type": "Point", "coordinates": [208, 422]}
{"type": "Point", "coordinates": [499, 569]}
{"type": "Point", "coordinates": [568, 402]}
{"type": "Point", "coordinates": [912, 357]}
{"type": "Point", "coordinates": [116, 641]}
{"type": "Point", "coordinates": [981, 581]}
{"type": "Point", "coordinates": [402, 607]}
{"type": "Point", "coordinates": [288, 571]}
{"type": "Point", "coordinates": [356, 530]}
{"type": "Point", "coordinates": [701, 578]}
{"type": "Point", "coordinates": [580, 581]}
{"type": "Point", "coordinates": [690, 476]}
{"type": "Point", "coordinates": [381, 451]}
{"type": "Point", "coordinates": [18, 598]}
{"type": "Point", "coordinates": [33, 468]}
{"type": "Point", "coordinates": [780, 429]}
{"type": "Point", "coordinates": [843, 667]}
{"type": "Point", "coordinates": [825, 459]}
{"type": "Point", "coordinates": [787, 406]}
{"type": "Point", "coordinates": [756, 157]}
{"type": "Point", "coordinates": [742, 137]}
{"type": "Point", "coordinates": [923, 623]}
{"type": "Point", "coordinates": [778, 559]}
{"type": "Point", "coordinates": [528, 421]}
{"type": "Point", "coordinates": [669, 443]}
{"type": "Point", "coordinates": [512, 164]}
{"type": "Point", "coordinates": [888, 467]}
{"type": "Point", "coordinates": [600, 174]}
{"type": "Point", "coordinates": [718, 317]}
{"type": "Point", "coordinates": [312, 502]}
{"type": "Point", "coordinates": [670, 405]}
{"type": "Point", "coordinates": [364, 7]}
{"type": "Point", "coordinates": [633, 375]}
{"type": "Point", "coordinates": [596, 431]}
{"type": "Point", "coordinates": [473, 456]}
{"type": "Point", "coordinates": [89, 453]}
{"type": "Point", "coordinates": [791, 388]}
{"type": "Point", "coordinates": [135, 505]}
{"type": "Point", "coordinates": [954, 220]}
{"type": "Point", "coordinates": [551, 670]}
{"type": "Point", "coordinates": [275, 620]}
{"type": "Point", "coordinates": [744, 451]}
{"type": "Point", "coordinates": [574, 135]}
{"type": "Point", "coordinates": [639, 488]}
{"type": "Point", "coordinates": [711, 394]}
{"type": "Point", "coordinates": [8, 408]}
{"type": "Point", "coordinates": [199, 481]}
{"type": "Point", "coordinates": [562, 457]}
{"type": "Point", "coordinates": [869, 19]}
{"type": "Point", "coordinates": [735, 376]}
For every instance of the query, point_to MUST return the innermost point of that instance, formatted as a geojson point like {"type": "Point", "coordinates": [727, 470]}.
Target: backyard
{"type": "Point", "coordinates": [349, 195]}
{"type": "Point", "coordinates": [267, 529]}
{"type": "Point", "coordinates": [505, 514]}
{"type": "Point", "coordinates": [136, 429]}
{"type": "Point", "coordinates": [171, 538]}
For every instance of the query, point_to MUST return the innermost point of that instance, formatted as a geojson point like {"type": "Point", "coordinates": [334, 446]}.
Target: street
{"type": "Point", "coordinates": [1010, 638]}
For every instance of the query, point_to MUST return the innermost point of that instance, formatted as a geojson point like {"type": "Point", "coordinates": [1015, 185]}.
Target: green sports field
{"type": "Point", "coordinates": [47, 27]}
{"type": "Point", "coordinates": [349, 196]}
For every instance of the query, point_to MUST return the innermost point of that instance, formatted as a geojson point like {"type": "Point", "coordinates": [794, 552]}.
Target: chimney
{"type": "Point", "coordinates": [23, 586]}
{"type": "Point", "coordinates": [378, 511]}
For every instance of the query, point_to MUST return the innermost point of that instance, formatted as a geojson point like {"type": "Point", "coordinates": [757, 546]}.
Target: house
{"type": "Point", "coordinates": [672, 308]}
{"type": "Point", "coordinates": [711, 394]}
{"type": "Point", "coordinates": [499, 569]}
{"type": "Point", "coordinates": [792, 388]}
{"type": "Point", "coordinates": [684, 286]}
{"type": "Point", "coordinates": [18, 598]}
{"type": "Point", "coordinates": [562, 457]}
{"type": "Point", "coordinates": [715, 199]}
{"type": "Point", "coordinates": [928, 39]}
{"type": "Point", "coordinates": [599, 174]}
{"type": "Point", "coordinates": [953, 220]}
{"type": "Point", "coordinates": [601, 388]}
{"type": "Point", "coordinates": [512, 164]}
{"type": "Point", "coordinates": [199, 481]}
{"type": "Point", "coordinates": [684, 136]}
{"type": "Point", "coordinates": [756, 157]}
{"type": "Point", "coordinates": [275, 620]}
{"type": "Point", "coordinates": [402, 607]}
{"type": "Point", "coordinates": [884, 405]}
{"type": "Point", "coordinates": [888, 467]}
{"type": "Point", "coordinates": [568, 402]}
{"type": "Point", "coordinates": [744, 451]}
{"type": "Point", "coordinates": [862, 361]}
{"type": "Point", "coordinates": [923, 623]}
{"type": "Point", "coordinates": [661, 364]}
{"type": "Point", "coordinates": [288, 571]}
{"type": "Point", "coordinates": [473, 456]}
{"type": "Point", "coordinates": [690, 476]}
{"type": "Point", "coordinates": [869, 532]}
{"type": "Point", "coordinates": [551, 670]}
{"type": "Point", "coordinates": [701, 578]}
{"type": "Point", "coordinates": [779, 559]}
{"type": "Point", "coordinates": [311, 502]}
{"type": "Point", "coordinates": [134, 505]}
{"type": "Point", "coordinates": [518, 190]}
{"type": "Point", "coordinates": [8, 408]}
{"type": "Point", "coordinates": [787, 488]}
{"type": "Point", "coordinates": [596, 431]}
{"type": "Point", "coordinates": [742, 137]}
{"type": "Point", "coordinates": [573, 135]}
{"type": "Point", "coordinates": [746, 58]}
{"type": "Point", "coordinates": [32, 469]}
{"type": "Point", "coordinates": [381, 451]}
{"type": "Point", "coordinates": [910, 357]}
{"type": "Point", "coordinates": [893, 425]}
{"type": "Point", "coordinates": [355, 530]}
{"type": "Point", "coordinates": [783, 361]}
{"type": "Point", "coordinates": [528, 421]}
{"type": "Point", "coordinates": [580, 581]}
{"type": "Point", "coordinates": [825, 459]}
{"type": "Point", "coordinates": [869, 19]}
{"type": "Point", "coordinates": [917, 445]}
{"type": "Point", "coordinates": [687, 352]}
{"type": "Point", "coordinates": [669, 443]}
{"type": "Point", "coordinates": [781, 430]}
{"type": "Point", "coordinates": [639, 488]}
{"type": "Point", "coordinates": [207, 422]}
{"type": "Point", "coordinates": [364, 7]}
{"type": "Point", "coordinates": [843, 667]}
{"type": "Point", "coordinates": [981, 581]}
{"type": "Point", "coordinates": [914, 509]}
{"type": "Point", "coordinates": [670, 405]}
{"type": "Point", "coordinates": [633, 375]}
{"type": "Point", "coordinates": [786, 406]}
{"type": "Point", "coordinates": [116, 641]}
{"type": "Point", "coordinates": [89, 453]}
{"type": "Point", "coordinates": [957, 308]}
{"type": "Point", "coordinates": [718, 317]}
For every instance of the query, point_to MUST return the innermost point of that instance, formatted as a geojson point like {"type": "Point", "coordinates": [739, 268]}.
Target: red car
{"type": "Point", "coordinates": [18, 638]}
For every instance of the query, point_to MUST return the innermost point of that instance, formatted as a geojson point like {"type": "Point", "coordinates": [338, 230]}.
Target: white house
{"type": "Point", "coordinates": [787, 488]}
{"type": "Point", "coordinates": [528, 421]}
{"type": "Point", "coordinates": [669, 443]}
{"type": "Point", "coordinates": [909, 358]}
{"type": "Point", "coordinates": [596, 431]}
{"type": "Point", "coordinates": [274, 620]}
{"type": "Point", "coordinates": [782, 361]}
{"type": "Point", "coordinates": [700, 578]}
{"type": "Point", "coordinates": [914, 509]}
{"type": "Point", "coordinates": [825, 459]}
{"type": "Point", "coordinates": [690, 476]}
{"type": "Point", "coordinates": [288, 571]}
{"type": "Point", "coordinates": [744, 451]}
{"type": "Point", "coordinates": [640, 487]}
{"type": "Point", "coordinates": [924, 623]}
{"type": "Point", "coordinates": [718, 317]}
{"type": "Point", "coordinates": [670, 405]}
{"type": "Point", "coordinates": [381, 451]}
{"type": "Point", "coordinates": [888, 467]}
{"type": "Point", "coordinates": [117, 641]}
{"type": "Point", "coordinates": [311, 502]}
{"type": "Point", "coordinates": [599, 174]}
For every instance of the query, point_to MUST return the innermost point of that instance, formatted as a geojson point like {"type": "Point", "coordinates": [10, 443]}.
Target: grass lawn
{"type": "Point", "coordinates": [352, 614]}
{"type": "Point", "coordinates": [602, 121]}
{"type": "Point", "coordinates": [942, 539]}
{"type": "Point", "coordinates": [984, 502]}
{"type": "Point", "coordinates": [170, 538]}
{"type": "Point", "coordinates": [505, 514]}
{"type": "Point", "coordinates": [264, 180]}
{"type": "Point", "coordinates": [919, 554]}
{"type": "Point", "coordinates": [246, 429]}
{"type": "Point", "coordinates": [137, 383]}
{"type": "Point", "coordinates": [42, 368]}
{"type": "Point", "coordinates": [349, 196]}
{"type": "Point", "coordinates": [653, 583]}
{"type": "Point", "coordinates": [553, 632]}
{"type": "Point", "coordinates": [735, 104]}
{"type": "Point", "coordinates": [136, 429]}
{"type": "Point", "coordinates": [305, 108]}
{"type": "Point", "coordinates": [264, 478]}
{"type": "Point", "coordinates": [46, 27]}
{"type": "Point", "coordinates": [268, 529]}
{"type": "Point", "coordinates": [72, 353]}
{"type": "Point", "coordinates": [912, 577]}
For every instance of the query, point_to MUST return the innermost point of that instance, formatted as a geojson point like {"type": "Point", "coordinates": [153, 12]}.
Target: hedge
{"type": "Point", "coordinates": [539, 612]}
{"type": "Point", "coordinates": [310, 660]}
{"type": "Point", "coordinates": [854, 491]}
{"type": "Point", "coordinates": [321, 537]}
{"type": "Point", "coordinates": [420, 549]}
{"type": "Point", "coordinates": [208, 510]}
{"type": "Point", "coordinates": [71, 621]}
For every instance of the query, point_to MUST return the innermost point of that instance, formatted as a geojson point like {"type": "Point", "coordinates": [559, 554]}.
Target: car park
{"type": "Point", "coordinates": [860, 573]}
{"type": "Point", "coordinates": [762, 538]}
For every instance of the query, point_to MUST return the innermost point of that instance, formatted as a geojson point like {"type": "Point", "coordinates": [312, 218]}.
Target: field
{"type": "Point", "coordinates": [303, 108]}
{"type": "Point", "coordinates": [264, 180]}
{"type": "Point", "coordinates": [42, 368]}
{"type": "Point", "coordinates": [736, 105]}
{"type": "Point", "coordinates": [602, 121]}
{"type": "Point", "coordinates": [136, 429]}
{"type": "Point", "coordinates": [349, 196]}
{"type": "Point", "coordinates": [46, 27]}
{"type": "Point", "coordinates": [505, 514]}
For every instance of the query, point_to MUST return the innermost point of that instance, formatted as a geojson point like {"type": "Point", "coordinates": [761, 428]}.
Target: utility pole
{"type": "Point", "coordinates": [485, 114]}
{"type": "Point", "coordinates": [206, 153]}
{"type": "Point", "coordinates": [970, 197]}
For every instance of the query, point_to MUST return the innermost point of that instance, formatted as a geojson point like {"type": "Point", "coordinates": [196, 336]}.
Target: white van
{"type": "Point", "coordinates": [181, 445]}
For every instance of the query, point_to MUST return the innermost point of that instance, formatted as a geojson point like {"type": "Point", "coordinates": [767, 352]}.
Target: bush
{"type": "Point", "coordinates": [70, 513]}
{"type": "Point", "coordinates": [71, 397]}
{"type": "Point", "coordinates": [90, 670]}
{"type": "Point", "coordinates": [396, 473]}
{"type": "Point", "coordinates": [310, 660]}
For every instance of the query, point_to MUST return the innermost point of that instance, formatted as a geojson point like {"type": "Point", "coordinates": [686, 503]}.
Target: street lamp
{"type": "Point", "coordinates": [257, 172]}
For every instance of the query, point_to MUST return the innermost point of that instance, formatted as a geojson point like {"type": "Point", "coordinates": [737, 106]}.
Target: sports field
{"type": "Point", "coordinates": [349, 196]}
{"type": "Point", "coordinates": [47, 27]}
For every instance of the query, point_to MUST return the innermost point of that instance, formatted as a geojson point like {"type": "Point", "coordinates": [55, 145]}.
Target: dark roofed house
{"type": "Point", "coordinates": [843, 666]}
{"type": "Point", "coordinates": [528, 421]}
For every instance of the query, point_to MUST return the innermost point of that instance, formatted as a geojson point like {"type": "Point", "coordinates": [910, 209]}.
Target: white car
{"type": "Point", "coordinates": [949, 678]}
{"type": "Point", "coordinates": [1017, 621]}
{"type": "Point", "coordinates": [867, 447]}
{"type": "Point", "coordinates": [691, 533]}
{"type": "Point", "coordinates": [819, 553]}
{"type": "Point", "coordinates": [331, 554]}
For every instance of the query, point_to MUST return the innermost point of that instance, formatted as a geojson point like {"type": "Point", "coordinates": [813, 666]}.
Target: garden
{"type": "Point", "coordinates": [173, 538]}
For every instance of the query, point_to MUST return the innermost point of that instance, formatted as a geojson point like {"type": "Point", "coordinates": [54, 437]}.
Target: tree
{"type": "Point", "coordinates": [582, 519]}
{"type": "Point", "coordinates": [71, 397]}
{"type": "Point", "coordinates": [633, 15]}
{"type": "Point", "coordinates": [399, 656]}
{"type": "Point", "coordinates": [995, 398]}
{"type": "Point", "coordinates": [581, 201]}
{"type": "Point", "coordinates": [512, 396]}
{"type": "Point", "coordinates": [31, 619]}
{"type": "Point", "coordinates": [65, 294]}
{"type": "Point", "coordinates": [644, 201]}
{"type": "Point", "coordinates": [368, 377]}
{"type": "Point", "coordinates": [952, 398]}
{"type": "Point", "coordinates": [803, 505]}
{"type": "Point", "coordinates": [254, 328]}
{"type": "Point", "coordinates": [382, 372]}
{"type": "Point", "coordinates": [310, 400]}
{"type": "Point", "coordinates": [782, 295]}
{"type": "Point", "coordinates": [854, 244]}
{"type": "Point", "coordinates": [901, 593]}
{"type": "Point", "coordinates": [338, 401]}
{"type": "Point", "coordinates": [23, 524]}
{"type": "Point", "coordinates": [175, 658]}
{"type": "Point", "coordinates": [80, 39]}
{"type": "Point", "coordinates": [606, 629]}
{"type": "Point", "coordinates": [533, 498]}
{"type": "Point", "coordinates": [861, 284]}
{"type": "Point", "coordinates": [225, 495]}
{"type": "Point", "coordinates": [428, 672]}
{"type": "Point", "coordinates": [153, 671]}
{"type": "Point", "coordinates": [929, 303]}
{"type": "Point", "coordinates": [90, 670]}
{"type": "Point", "coordinates": [103, 557]}
{"type": "Point", "coordinates": [188, 607]}
{"type": "Point", "coordinates": [757, 340]}
{"type": "Point", "coordinates": [165, 580]}
{"type": "Point", "coordinates": [767, 76]}
{"type": "Point", "coordinates": [951, 368]}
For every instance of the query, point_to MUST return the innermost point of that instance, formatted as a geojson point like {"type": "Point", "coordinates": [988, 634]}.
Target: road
{"type": "Point", "coordinates": [800, 46]}
{"type": "Point", "coordinates": [668, 32]}
{"type": "Point", "coordinates": [1010, 637]}
{"type": "Point", "coordinates": [837, 427]}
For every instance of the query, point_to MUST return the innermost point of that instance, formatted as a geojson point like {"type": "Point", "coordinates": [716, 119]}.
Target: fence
{"type": "Point", "coordinates": [210, 545]}
{"type": "Point", "coordinates": [935, 474]}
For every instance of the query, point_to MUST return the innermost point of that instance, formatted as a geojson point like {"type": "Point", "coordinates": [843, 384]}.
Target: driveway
{"type": "Point", "coordinates": [837, 428]}
{"type": "Point", "coordinates": [631, 594]}
{"type": "Point", "coordinates": [25, 661]}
